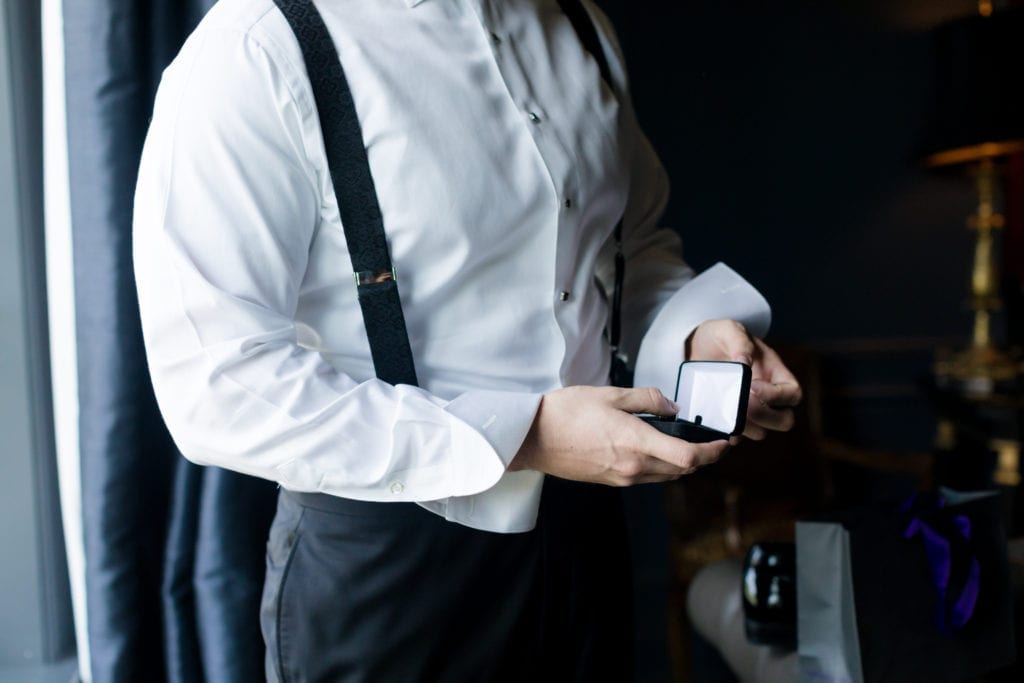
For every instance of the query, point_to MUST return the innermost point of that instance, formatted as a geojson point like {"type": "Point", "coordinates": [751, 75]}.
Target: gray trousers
{"type": "Point", "coordinates": [390, 592]}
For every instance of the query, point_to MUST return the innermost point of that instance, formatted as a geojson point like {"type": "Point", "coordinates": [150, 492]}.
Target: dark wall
{"type": "Point", "coordinates": [789, 131]}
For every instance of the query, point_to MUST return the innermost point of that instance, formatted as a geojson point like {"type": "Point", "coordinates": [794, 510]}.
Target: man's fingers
{"type": "Point", "coordinates": [776, 394]}
{"type": "Point", "coordinates": [754, 432]}
{"type": "Point", "coordinates": [643, 400]}
{"type": "Point", "coordinates": [771, 402]}
{"type": "Point", "coordinates": [657, 467]}
{"type": "Point", "coordinates": [678, 453]}
{"type": "Point", "coordinates": [706, 453]}
{"type": "Point", "coordinates": [646, 469]}
{"type": "Point", "coordinates": [659, 478]}
{"type": "Point", "coordinates": [773, 367]}
{"type": "Point", "coordinates": [763, 416]}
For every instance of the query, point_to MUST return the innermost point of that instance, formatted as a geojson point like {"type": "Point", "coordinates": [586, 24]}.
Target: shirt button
{"type": "Point", "coordinates": [534, 117]}
{"type": "Point", "coordinates": [495, 38]}
{"type": "Point", "coordinates": [568, 203]}
{"type": "Point", "coordinates": [564, 295]}
{"type": "Point", "coordinates": [397, 487]}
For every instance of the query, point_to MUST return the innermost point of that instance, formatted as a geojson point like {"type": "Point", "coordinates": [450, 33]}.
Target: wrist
{"type": "Point", "coordinates": [523, 459]}
{"type": "Point", "coordinates": [688, 344]}
{"type": "Point", "coordinates": [519, 461]}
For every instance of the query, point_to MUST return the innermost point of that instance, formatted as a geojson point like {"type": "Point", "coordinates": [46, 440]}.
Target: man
{"type": "Point", "coordinates": [416, 536]}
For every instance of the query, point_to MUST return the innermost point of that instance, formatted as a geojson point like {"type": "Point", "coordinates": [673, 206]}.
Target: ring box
{"type": "Point", "coordinates": [712, 398]}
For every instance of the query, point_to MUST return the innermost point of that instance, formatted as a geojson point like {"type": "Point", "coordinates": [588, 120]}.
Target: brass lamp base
{"type": "Point", "coordinates": [979, 369]}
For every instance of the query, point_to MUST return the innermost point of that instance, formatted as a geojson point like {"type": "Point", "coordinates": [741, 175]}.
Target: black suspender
{"type": "Point", "coordinates": [357, 197]}
{"type": "Point", "coordinates": [587, 33]}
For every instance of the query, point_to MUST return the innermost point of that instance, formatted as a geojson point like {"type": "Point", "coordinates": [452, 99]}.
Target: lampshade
{"type": "Point", "coordinates": [977, 108]}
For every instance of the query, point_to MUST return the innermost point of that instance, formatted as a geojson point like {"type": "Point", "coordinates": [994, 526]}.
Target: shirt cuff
{"type": "Point", "coordinates": [503, 418]}
{"type": "Point", "coordinates": [718, 292]}
{"type": "Point", "coordinates": [509, 504]}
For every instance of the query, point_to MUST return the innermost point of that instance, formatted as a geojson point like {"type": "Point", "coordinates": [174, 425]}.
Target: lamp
{"type": "Point", "coordinates": [977, 121]}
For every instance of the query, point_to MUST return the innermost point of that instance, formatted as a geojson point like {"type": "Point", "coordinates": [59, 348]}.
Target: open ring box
{"type": "Point", "coordinates": [712, 398]}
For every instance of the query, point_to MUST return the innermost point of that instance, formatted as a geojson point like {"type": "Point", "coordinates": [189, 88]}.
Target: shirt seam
{"type": "Point", "coordinates": [275, 54]}
{"type": "Point", "coordinates": [315, 149]}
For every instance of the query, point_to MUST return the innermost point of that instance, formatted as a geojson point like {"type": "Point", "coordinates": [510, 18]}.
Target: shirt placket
{"type": "Point", "coordinates": [541, 113]}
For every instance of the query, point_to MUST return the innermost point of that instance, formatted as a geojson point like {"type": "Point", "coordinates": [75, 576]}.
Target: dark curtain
{"type": "Point", "coordinates": [174, 553]}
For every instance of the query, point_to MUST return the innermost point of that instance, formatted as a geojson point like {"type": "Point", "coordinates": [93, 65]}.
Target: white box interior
{"type": "Point", "coordinates": [712, 392]}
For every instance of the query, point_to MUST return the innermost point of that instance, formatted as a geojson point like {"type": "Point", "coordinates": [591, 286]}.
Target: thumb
{"type": "Point", "coordinates": [644, 400]}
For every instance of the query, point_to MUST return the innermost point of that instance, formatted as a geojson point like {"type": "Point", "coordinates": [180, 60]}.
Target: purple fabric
{"type": "Point", "coordinates": [948, 618]}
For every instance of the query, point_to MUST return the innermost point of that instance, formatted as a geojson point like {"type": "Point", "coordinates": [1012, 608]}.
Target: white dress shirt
{"type": "Point", "coordinates": [501, 162]}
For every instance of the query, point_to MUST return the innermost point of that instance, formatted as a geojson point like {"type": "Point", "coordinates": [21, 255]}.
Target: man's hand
{"type": "Point", "coordinates": [589, 434]}
{"type": "Point", "coordinates": [773, 388]}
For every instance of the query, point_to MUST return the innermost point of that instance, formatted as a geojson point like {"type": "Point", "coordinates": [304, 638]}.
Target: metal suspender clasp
{"type": "Point", "coordinates": [369, 277]}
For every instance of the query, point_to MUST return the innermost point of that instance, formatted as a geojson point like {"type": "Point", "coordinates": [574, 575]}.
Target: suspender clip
{"type": "Point", "coordinates": [369, 277]}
